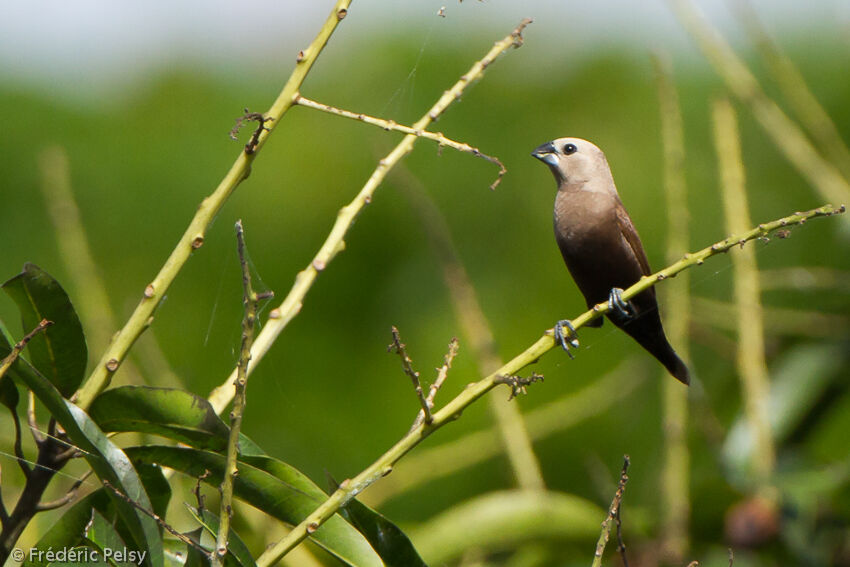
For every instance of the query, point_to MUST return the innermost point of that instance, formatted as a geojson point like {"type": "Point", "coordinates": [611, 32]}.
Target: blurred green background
{"type": "Point", "coordinates": [328, 397]}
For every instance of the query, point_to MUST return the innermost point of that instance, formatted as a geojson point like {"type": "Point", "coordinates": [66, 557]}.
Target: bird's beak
{"type": "Point", "coordinates": [546, 153]}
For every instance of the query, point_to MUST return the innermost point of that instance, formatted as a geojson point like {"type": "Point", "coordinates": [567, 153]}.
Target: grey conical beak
{"type": "Point", "coordinates": [546, 153]}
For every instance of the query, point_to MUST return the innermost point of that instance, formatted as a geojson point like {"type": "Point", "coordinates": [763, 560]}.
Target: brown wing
{"type": "Point", "coordinates": [627, 229]}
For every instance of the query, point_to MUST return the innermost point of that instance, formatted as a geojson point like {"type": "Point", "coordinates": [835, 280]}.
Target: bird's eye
{"type": "Point", "coordinates": [570, 149]}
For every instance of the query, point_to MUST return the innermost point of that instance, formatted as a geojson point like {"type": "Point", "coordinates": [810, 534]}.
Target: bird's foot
{"type": "Point", "coordinates": [618, 309]}
{"type": "Point", "coordinates": [566, 336]}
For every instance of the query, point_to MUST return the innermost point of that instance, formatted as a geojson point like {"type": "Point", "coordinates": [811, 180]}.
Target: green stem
{"type": "Point", "coordinates": [250, 300]}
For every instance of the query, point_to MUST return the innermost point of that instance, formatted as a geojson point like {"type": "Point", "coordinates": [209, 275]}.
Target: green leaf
{"type": "Point", "coordinates": [194, 558]}
{"type": "Point", "coordinates": [69, 529]}
{"type": "Point", "coordinates": [59, 352]}
{"type": "Point", "coordinates": [503, 520]}
{"type": "Point", "coordinates": [175, 414]}
{"type": "Point", "coordinates": [175, 552]}
{"type": "Point", "coordinates": [238, 553]}
{"type": "Point", "coordinates": [156, 486]}
{"type": "Point", "coordinates": [272, 486]}
{"type": "Point", "coordinates": [101, 534]}
{"type": "Point", "coordinates": [9, 393]}
{"type": "Point", "coordinates": [391, 544]}
{"type": "Point", "coordinates": [106, 460]}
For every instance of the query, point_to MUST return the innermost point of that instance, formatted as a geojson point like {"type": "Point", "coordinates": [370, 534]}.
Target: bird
{"type": "Point", "coordinates": [602, 249]}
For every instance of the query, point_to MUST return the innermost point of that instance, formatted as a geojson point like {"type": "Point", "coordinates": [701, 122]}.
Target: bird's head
{"type": "Point", "coordinates": [573, 161]}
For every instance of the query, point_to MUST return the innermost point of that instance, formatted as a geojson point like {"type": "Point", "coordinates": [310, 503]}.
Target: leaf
{"type": "Point", "coordinates": [101, 534]}
{"type": "Point", "coordinates": [175, 552]}
{"type": "Point", "coordinates": [59, 352]}
{"type": "Point", "coordinates": [194, 558]}
{"type": "Point", "coordinates": [502, 520]}
{"type": "Point", "coordinates": [156, 486]}
{"type": "Point", "coordinates": [106, 460]}
{"type": "Point", "coordinates": [69, 529]}
{"type": "Point", "coordinates": [9, 393]}
{"type": "Point", "coordinates": [391, 544]}
{"type": "Point", "coordinates": [272, 486]}
{"type": "Point", "coordinates": [238, 553]}
{"type": "Point", "coordinates": [171, 413]}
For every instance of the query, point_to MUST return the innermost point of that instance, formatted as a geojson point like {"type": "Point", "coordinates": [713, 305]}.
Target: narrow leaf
{"type": "Point", "coordinates": [102, 535]}
{"type": "Point", "coordinates": [391, 544]}
{"type": "Point", "coordinates": [272, 486]}
{"type": "Point", "coordinates": [69, 530]}
{"type": "Point", "coordinates": [106, 460]}
{"type": "Point", "coordinates": [175, 414]}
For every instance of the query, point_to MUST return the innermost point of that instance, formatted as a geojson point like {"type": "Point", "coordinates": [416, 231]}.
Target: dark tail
{"type": "Point", "coordinates": [648, 332]}
{"type": "Point", "coordinates": [676, 367]}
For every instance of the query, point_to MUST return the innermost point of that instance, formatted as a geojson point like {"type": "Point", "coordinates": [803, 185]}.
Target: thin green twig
{"type": "Point", "coordinates": [383, 466]}
{"type": "Point", "coordinates": [613, 515]}
{"type": "Point", "coordinates": [395, 126]}
{"type": "Point", "coordinates": [250, 300]}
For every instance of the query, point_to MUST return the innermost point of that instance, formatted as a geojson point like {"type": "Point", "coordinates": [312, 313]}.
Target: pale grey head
{"type": "Point", "coordinates": [577, 163]}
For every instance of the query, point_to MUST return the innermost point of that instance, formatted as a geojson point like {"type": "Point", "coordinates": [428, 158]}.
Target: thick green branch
{"type": "Point", "coordinates": [350, 488]}
{"type": "Point", "coordinates": [280, 317]}
{"type": "Point", "coordinates": [193, 238]}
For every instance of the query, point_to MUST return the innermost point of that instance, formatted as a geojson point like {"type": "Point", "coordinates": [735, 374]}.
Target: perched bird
{"type": "Point", "coordinates": [602, 249]}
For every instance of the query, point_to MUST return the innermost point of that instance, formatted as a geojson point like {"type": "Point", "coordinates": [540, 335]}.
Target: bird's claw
{"type": "Point", "coordinates": [566, 336]}
{"type": "Point", "coordinates": [618, 308]}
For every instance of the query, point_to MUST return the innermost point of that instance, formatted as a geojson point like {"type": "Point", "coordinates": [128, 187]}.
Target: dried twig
{"type": "Point", "coordinates": [10, 359]}
{"type": "Point", "coordinates": [442, 374]}
{"type": "Point", "coordinates": [255, 137]}
{"type": "Point", "coordinates": [398, 347]}
{"type": "Point", "coordinates": [69, 496]}
{"type": "Point", "coordinates": [613, 514]}
{"type": "Point", "coordinates": [185, 539]}
{"type": "Point", "coordinates": [518, 384]}
{"type": "Point", "coordinates": [199, 498]}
